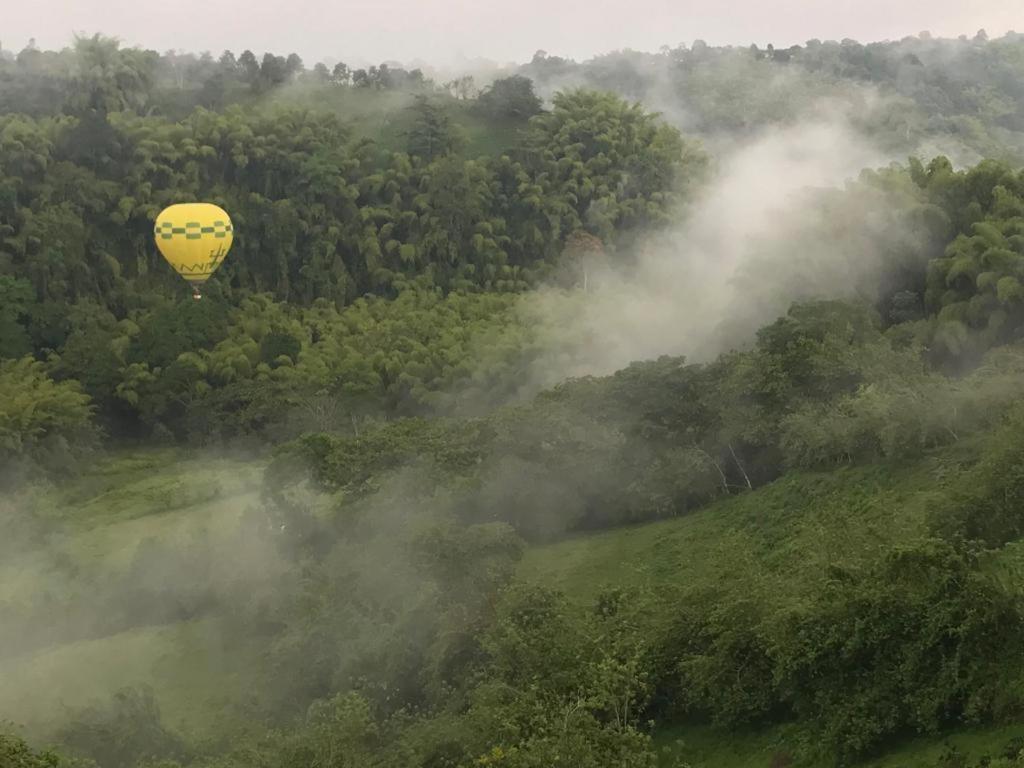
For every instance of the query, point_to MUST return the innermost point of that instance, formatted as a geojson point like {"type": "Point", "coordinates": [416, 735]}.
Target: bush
{"type": "Point", "coordinates": [15, 753]}
{"type": "Point", "coordinates": [922, 640]}
{"type": "Point", "coordinates": [919, 641]}
{"type": "Point", "coordinates": [41, 421]}
{"type": "Point", "coordinates": [123, 733]}
{"type": "Point", "coordinates": [988, 503]}
{"type": "Point", "coordinates": [277, 344]}
{"type": "Point", "coordinates": [902, 418]}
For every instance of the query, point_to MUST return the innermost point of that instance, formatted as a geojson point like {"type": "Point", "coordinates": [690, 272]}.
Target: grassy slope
{"type": "Point", "coordinates": [778, 540]}
{"type": "Point", "coordinates": [127, 498]}
{"type": "Point", "coordinates": [781, 537]}
{"type": "Point", "coordinates": [785, 534]}
{"type": "Point", "coordinates": [105, 515]}
{"type": "Point", "coordinates": [195, 676]}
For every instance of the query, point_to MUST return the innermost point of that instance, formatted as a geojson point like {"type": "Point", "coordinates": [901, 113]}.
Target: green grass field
{"type": "Point", "coordinates": [786, 534]}
{"type": "Point", "coordinates": [128, 498]}
{"type": "Point", "coordinates": [779, 539]}
{"type": "Point", "coordinates": [198, 677]}
{"type": "Point", "coordinates": [103, 517]}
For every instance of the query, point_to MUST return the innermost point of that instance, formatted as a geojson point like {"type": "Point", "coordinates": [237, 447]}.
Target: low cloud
{"type": "Point", "coordinates": [756, 239]}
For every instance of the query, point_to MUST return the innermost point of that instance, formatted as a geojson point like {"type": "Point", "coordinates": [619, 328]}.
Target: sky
{"type": "Point", "coordinates": [444, 32]}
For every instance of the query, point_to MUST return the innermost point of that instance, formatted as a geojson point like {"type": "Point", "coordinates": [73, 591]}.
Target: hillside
{"type": "Point", "coordinates": [781, 538]}
{"type": "Point", "coordinates": [518, 429]}
{"type": "Point", "coordinates": [777, 543]}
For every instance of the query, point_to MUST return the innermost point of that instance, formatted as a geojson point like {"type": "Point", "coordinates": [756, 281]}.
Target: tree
{"type": "Point", "coordinates": [568, 689]}
{"type": "Point", "coordinates": [123, 733]}
{"type": "Point", "coordinates": [341, 73]}
{"type": "Point", "coordinates": [324, 217]}
{"type": "Point", "coordinates": [361, 78]}
{"type": "Point", "coordinates": [579, 256]}
{"type": "Point", "coordinates": [279, 343]}
{"type": "Point", "coordinates": [250, 67]}
{"type": "Point", "coordinates": [936, 662]}
{"type": "Point", "coordinates": [293, 65]}
{"type": "Point", "coordinates": [94, 351]}
{"type": "Point", "coordinates": [274, 71]}
{"type": "Point", "coordinates": [320, 73]}
{"type": "Point", "coordinates": [15, 753]}
{"type": "Point", "coordinates": [462, 88]}
{"type": "Point", "coordinates": [569, 152]}
{"type": "Point", "coordinates": [381, 77]}
{"type": "Point", "coordinates": [15, 299]}
{"type": "Point", "coordinates": [432, 133]}
{"type": "Point", "coordinates": [110, 79]}
{"type": "Point", "coordinates": [187, 326]}
{"type": "Point", "coordinates": [510, 98]}
{"type": "Point", "coordinates": [39, 415]}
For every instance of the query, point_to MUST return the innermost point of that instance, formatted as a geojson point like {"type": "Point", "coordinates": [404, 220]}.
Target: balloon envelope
{"type": "Point", "coordinates": [194, 238]}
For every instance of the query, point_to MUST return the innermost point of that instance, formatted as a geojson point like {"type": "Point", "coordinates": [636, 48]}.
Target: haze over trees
{"type": "Point", "coordinates": [337, 472]}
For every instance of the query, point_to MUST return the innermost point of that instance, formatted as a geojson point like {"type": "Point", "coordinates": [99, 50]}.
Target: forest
{"type": "Point", "coordinates": [435, 475]}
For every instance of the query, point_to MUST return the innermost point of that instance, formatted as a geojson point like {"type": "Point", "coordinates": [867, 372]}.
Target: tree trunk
{"type": "Point", "coordinates": [740, 466]}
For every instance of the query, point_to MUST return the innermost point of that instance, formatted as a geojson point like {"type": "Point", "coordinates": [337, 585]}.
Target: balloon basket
{"type": "Point", "coordinates": [196, 295]}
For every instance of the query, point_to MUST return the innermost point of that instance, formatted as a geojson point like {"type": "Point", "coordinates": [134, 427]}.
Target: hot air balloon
{"type": "Point", "coordinates": [194, 238]}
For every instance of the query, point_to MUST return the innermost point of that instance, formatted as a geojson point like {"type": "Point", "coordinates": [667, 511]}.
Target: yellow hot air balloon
{"type": "Point", "coordinates": [194, 238]}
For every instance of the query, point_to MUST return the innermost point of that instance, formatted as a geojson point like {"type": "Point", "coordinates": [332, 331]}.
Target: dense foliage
{"type": "Point", "coordinates": [40, 419]}
{"type": "Point", "coordinates": [324, 219]}
{"type": "Point", "coordinates": [14, 752]}
{"type": "Point", "coordinates": [916, 643]}
{"type": "Point", "coordinates": [370, 324]}
{"type": "Point", "coordinates": [964, 94]}
{"type": "Point", "coordinates": [319, 216]}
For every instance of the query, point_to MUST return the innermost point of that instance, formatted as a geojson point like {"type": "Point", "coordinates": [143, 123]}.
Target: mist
{"type": "Point", "coordinates": [383, 569]}
{"type": "Point", "coordinates": [65, 587]}
{"type": "Point", "coordinates": [691, 290]}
